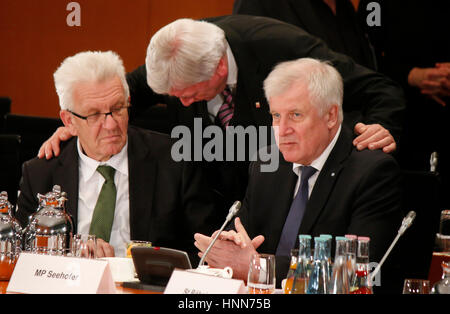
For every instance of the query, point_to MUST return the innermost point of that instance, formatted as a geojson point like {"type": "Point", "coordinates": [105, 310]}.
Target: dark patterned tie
{"type": "Point", "coordinates": [227, 109]}
{"type": "Point", "coordinates": [294, 218]}
{"type": "Point", "coordinates": [103, 216]}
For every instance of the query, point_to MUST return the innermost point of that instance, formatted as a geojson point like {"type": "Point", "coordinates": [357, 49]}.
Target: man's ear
{"type": "Point", "coordinates": [67, 119]}
{"type": "Point", "coordinates": [222, 67]}
{"type": "Point", "coordinates": [332, 116]}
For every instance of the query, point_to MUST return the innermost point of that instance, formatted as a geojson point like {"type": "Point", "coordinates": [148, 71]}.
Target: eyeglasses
{"type": "Point", "coordinates": [96, 118]}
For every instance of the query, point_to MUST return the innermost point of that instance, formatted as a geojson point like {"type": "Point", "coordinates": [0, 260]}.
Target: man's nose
{"type": "Point", "coordinates": [284, 127]}
{"type": "Point", "coordinates": [109, 122]}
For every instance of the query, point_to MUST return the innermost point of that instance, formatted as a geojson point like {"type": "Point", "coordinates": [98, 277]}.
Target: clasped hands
{"type": "Point", "coordinates": [434, 82]}
{"type": "Point", "coordinates": [232, 248]}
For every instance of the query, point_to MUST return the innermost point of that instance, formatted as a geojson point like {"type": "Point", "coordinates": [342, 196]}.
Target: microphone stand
{"type": "Point", "coordinates": [406, 223]}
{"type": "Point", "coordinates": [231, 213]}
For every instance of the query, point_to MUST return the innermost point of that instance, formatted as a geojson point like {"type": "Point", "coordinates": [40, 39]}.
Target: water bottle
{"type": "Point", "coordinates": [339, 281]}
{"type": "Point", "coordinates": [328, 238]}
{"type": "Point", "coordinates": [352, 249]}
{"type": "Point", "coordinates": [318, 282]}
{"type": "Point", "coordinates": [290, 275]}
{"type": "Point", "coordinates": [303, 269]}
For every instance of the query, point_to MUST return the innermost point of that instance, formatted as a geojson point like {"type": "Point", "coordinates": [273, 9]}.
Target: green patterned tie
{"type": "Point", "coordinates": [103, 216]}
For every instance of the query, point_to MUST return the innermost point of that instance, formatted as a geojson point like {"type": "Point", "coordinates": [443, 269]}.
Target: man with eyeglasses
{"type": "Point", "coordinates": [121, 181]}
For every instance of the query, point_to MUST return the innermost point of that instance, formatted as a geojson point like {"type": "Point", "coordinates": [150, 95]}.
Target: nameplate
{"type": "Point", "coordinates": [39, 274]}
{"type": "Point", "coordinates": [185, 282]}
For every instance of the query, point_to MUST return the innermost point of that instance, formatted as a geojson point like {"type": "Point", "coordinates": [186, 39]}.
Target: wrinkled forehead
{"type": "Point", "coordinates": [106, 93]}
{"type": "Point", "coordinates": [294, 98]}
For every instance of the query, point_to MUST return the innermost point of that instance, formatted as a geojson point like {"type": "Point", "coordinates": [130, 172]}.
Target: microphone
{"type": "Point", "coordinates": [406, 223]}
{"type": "Point", "coordinates": [231, 213]}
{"type": "Point", "coordinates": [433, 161]}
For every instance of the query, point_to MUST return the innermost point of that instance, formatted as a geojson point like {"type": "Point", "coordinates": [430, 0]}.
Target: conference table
{"type": "Point", "coordinates": [119, 289]}
{"type": "Point", "coordinates": [434, 276]}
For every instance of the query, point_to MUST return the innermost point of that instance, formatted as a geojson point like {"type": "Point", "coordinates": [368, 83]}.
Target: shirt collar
{"type": "Point", "coordinates": [320, 161]}
{"type": "Point", "coordinates": [89, 166]}
{"type": "Point", "coordinates": [232, 68]}
{"type": "Point", "coordinates": [215, 103]}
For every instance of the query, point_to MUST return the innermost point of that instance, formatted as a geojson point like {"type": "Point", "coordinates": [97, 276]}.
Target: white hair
{"type": "Point", "coordinates": [87, 67]}
{"type": "Point", "coordinates": [183, 53]}
{"type": "Point", "coordinates": [324, 83]}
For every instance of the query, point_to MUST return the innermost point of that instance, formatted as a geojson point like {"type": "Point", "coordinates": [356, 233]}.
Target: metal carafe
{"type": "Point", "coordinates": [10, 238]}
{"type": "Point", "coordinates": [50, 229]}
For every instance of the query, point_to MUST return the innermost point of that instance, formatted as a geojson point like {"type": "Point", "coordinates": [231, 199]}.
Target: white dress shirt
{"type": "Point", "coordinates": [215, 103]}
{"type": "Point", "coordinates": [317, 164]}
{"type": "Point", "coordinates": [90, 184]}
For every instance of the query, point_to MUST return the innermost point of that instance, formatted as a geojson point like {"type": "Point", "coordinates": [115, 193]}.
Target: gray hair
{"type": "Point", "coordinates": [325, 85]}
{"type": "Point", "coordinates": [87, 66]}
{"type": "Point", "coordinates": [183, 53]}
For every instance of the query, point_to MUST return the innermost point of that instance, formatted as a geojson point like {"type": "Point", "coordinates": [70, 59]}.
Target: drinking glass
{"type": "Point", "coordinates": [135, 243]}
{"type": "Point", "coordinates": [416, 286]}
{"type": "Point", "coordinates": [443, 237]}
{"type": "Point", "coordinates": [261, 274]}
{"type": "Point", "coordinates": [444, 224]}
{"type": "Point", "coordinates": [84, 245]}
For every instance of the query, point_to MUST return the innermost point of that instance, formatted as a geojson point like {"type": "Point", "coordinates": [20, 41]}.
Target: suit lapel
{"type": "Point", "coordinates": [142, 175]}
{"type": "Point", "coordinates": [251, 105]}
{"type": "Point", "coordinates": [202, 112]}
{"type": "Point", "coordinates": [250, 101]}
{"type": "Point", "coordinates": [326, 181]}
{"type": "Point", "coordinates": [284, 180]}
{"type": "Point", "coordinates": [67, 176]}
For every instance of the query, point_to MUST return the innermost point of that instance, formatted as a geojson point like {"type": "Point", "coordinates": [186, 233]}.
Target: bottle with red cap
{"type": "Point", "coordinates": [362, 283]}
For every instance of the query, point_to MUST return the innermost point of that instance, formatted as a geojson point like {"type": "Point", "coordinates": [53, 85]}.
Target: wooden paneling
{"type": "Point", "coordinates": [35, 38]}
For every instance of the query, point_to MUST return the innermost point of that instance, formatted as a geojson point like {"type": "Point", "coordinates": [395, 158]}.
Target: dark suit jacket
{"type": "Point", "coordinates": [258, 44]}
{"type": "Point", "coordinates": [357, 192]}
{"type": "Point", "coordinates": [169, 201]}
{"type": "Point", "coordinates": [341, 31]}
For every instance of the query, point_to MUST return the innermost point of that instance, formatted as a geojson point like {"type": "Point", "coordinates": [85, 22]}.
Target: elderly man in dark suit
{"type": "Point", "coordinates": [147, 195]}
{"type": "Point", "coordinates": [190, 63]}
{"type": "Point", "coordinates": [323, 185]}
